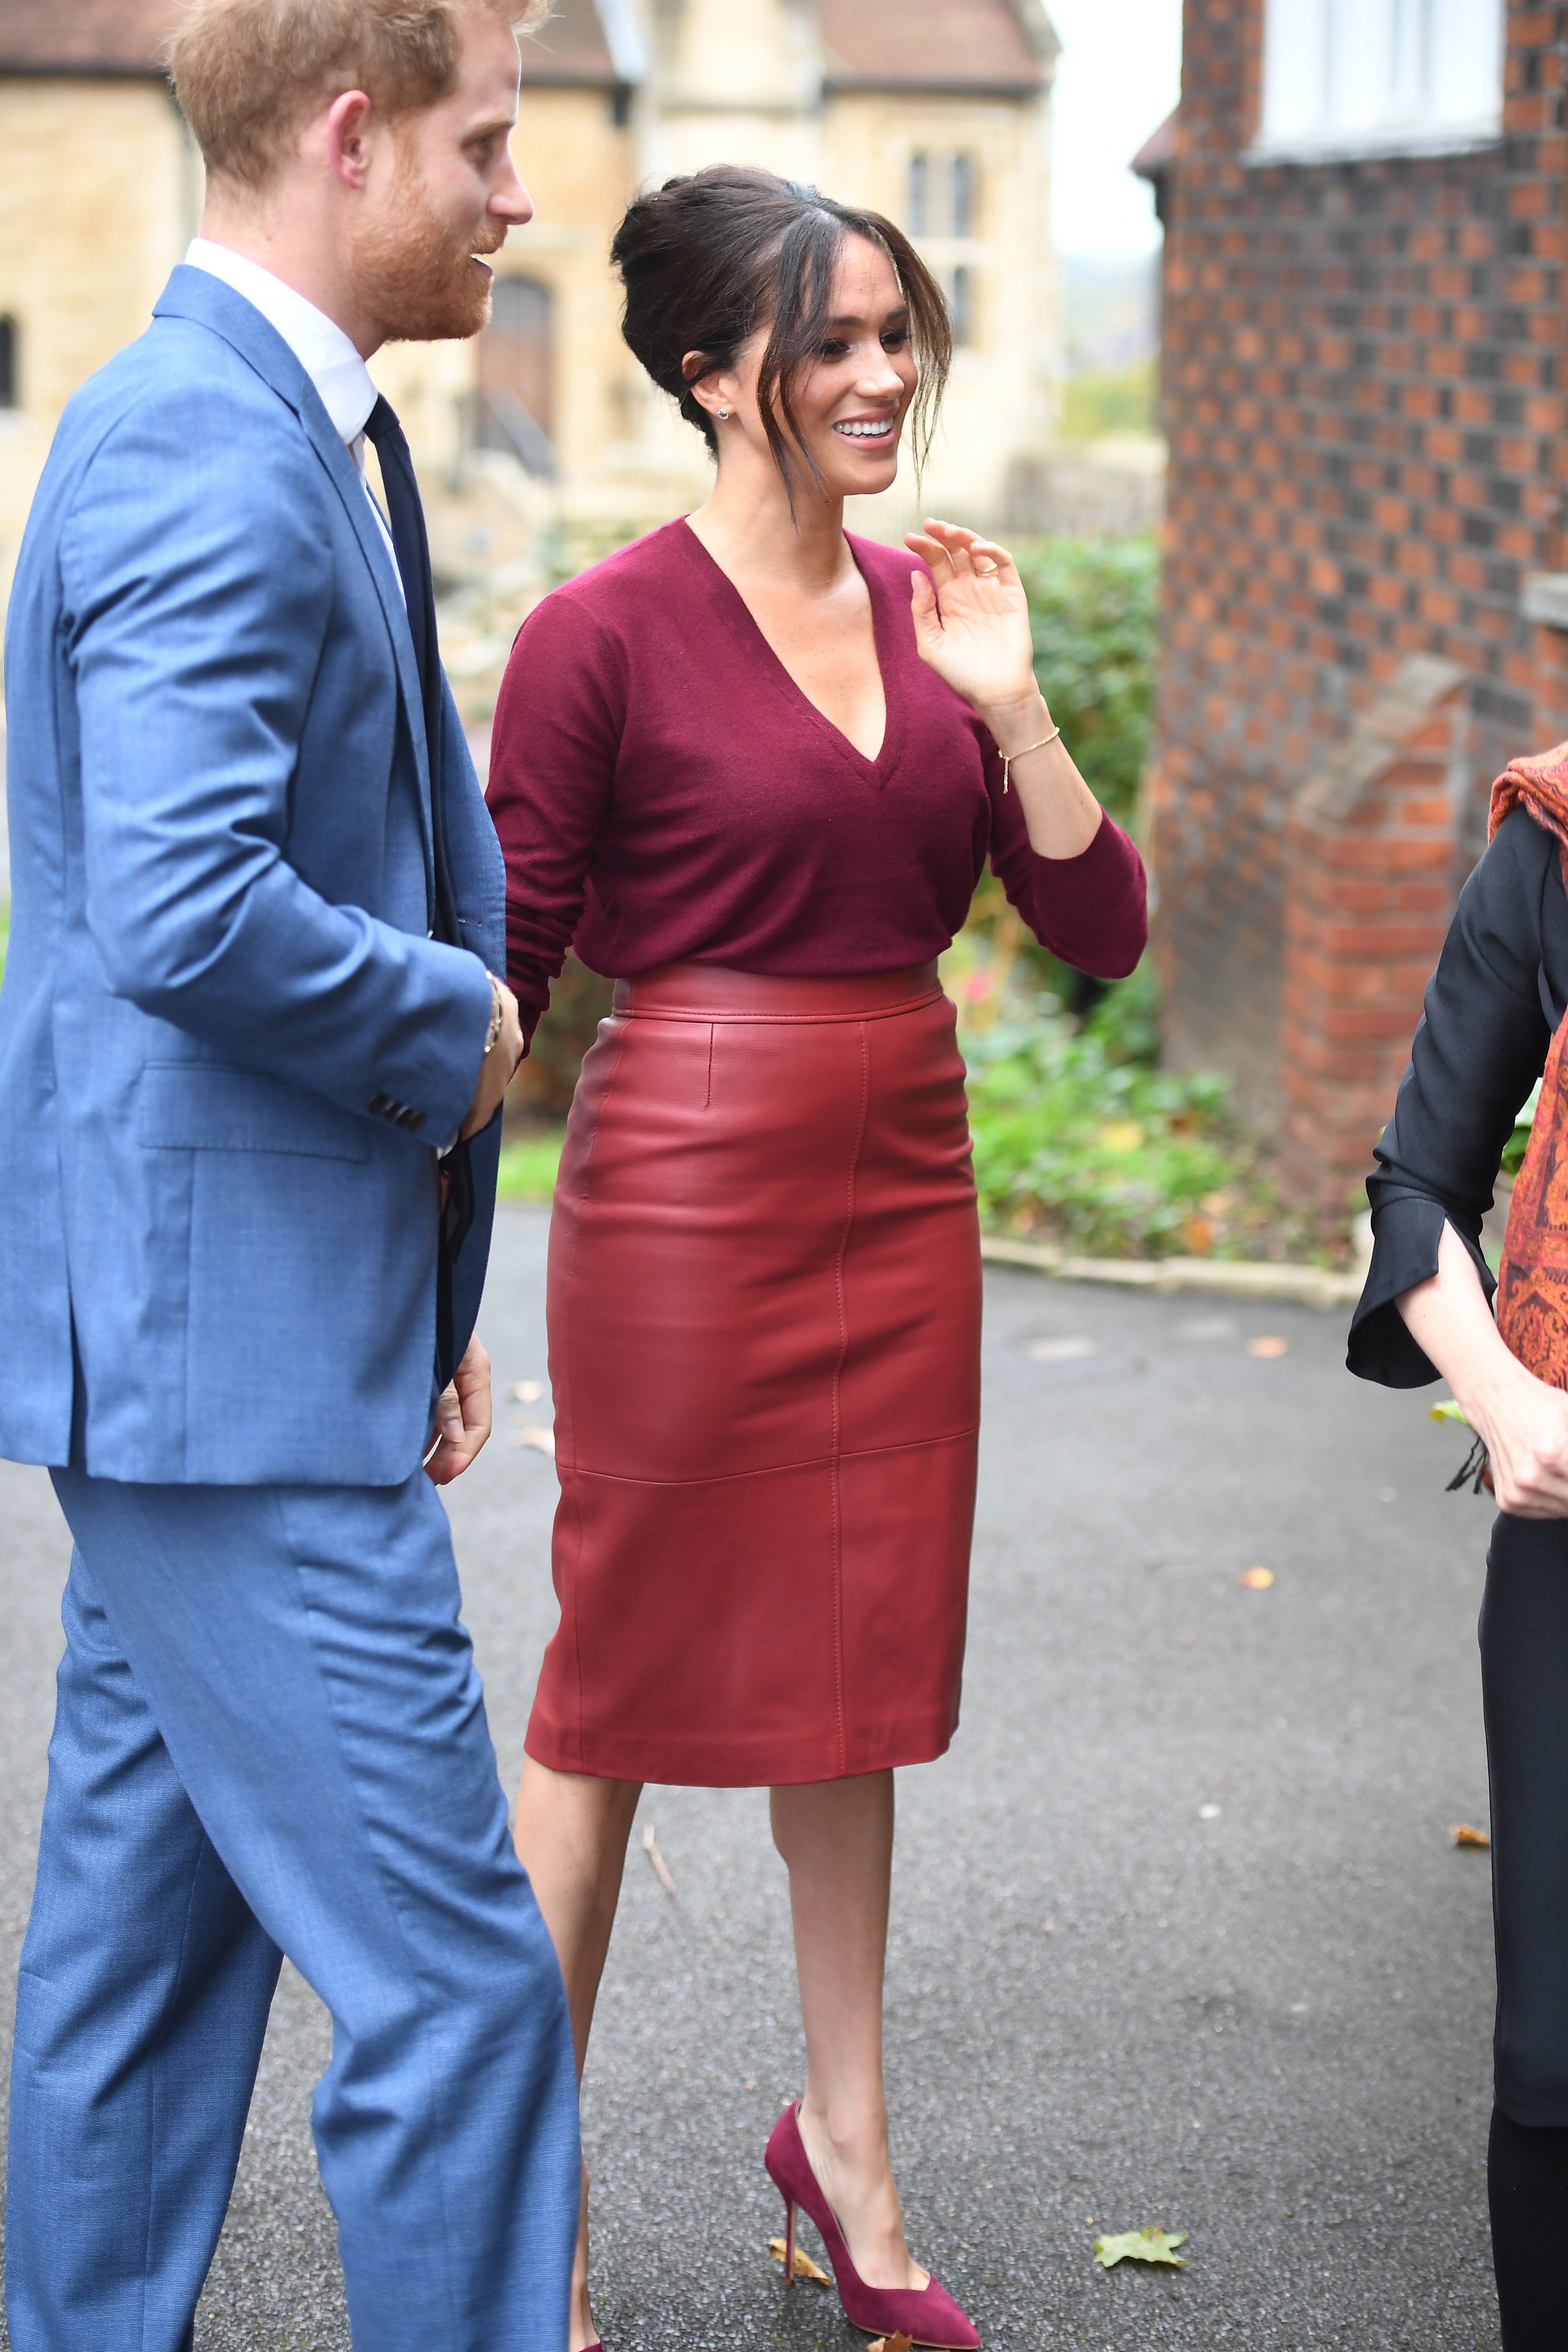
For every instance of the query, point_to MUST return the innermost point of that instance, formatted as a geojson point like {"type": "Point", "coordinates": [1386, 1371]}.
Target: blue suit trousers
{"type": "Point", "coordinates": [271, 1738]}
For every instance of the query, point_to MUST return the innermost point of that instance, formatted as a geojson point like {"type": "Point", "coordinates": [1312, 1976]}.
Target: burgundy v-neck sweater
{"type": "Point", "coordinates": [663, 791]}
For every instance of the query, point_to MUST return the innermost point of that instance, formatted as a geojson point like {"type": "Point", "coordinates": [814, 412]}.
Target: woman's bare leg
{"type": "Point", "coordinates": [836, 1837]}
{"type": "Point", "coordinates": [570, 1838]}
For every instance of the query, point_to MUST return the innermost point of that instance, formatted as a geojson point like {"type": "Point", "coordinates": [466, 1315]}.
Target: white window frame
{"type": "Point", "coordinates": [1343, 78]}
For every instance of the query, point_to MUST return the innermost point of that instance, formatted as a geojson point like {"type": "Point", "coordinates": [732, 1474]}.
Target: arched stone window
{"type": "Point", "coordinates": [943, 193]}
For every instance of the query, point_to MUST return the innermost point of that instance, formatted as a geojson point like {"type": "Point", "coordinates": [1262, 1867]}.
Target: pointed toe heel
{"type": "Point", "coordinates": [928, 2316]}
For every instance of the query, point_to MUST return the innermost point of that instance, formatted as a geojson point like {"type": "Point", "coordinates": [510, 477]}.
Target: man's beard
{"type": "Point", "coordinates": [415, 278]}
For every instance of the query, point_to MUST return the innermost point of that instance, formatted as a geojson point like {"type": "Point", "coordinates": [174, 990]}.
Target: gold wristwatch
{"type": "Point", "coordinates": [497, 1014]}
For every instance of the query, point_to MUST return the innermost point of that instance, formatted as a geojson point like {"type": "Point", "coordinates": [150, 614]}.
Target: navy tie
{"type": "Point", "coordinates": [412, 549]}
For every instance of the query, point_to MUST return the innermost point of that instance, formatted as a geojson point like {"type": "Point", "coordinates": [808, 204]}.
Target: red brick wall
{"type": "Point", "coordinates": [1363, 368]}
{"type": "Point", "coordinates": [1368, 886]}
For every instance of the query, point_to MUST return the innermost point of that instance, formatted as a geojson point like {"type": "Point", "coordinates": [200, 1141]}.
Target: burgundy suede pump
{"type": "Point", "coordinates": [926, 2314]}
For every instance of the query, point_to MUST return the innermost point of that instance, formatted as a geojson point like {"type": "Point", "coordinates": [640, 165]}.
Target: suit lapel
{"type": "Point", "coordinates": [195, 294]}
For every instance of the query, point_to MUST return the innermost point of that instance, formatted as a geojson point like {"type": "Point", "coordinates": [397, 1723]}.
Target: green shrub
{"type": "Point", "coordinates": [1518, 1144]}
{"type": "Point", "coordinates": [1094, 605]}
{"type": "Point", "coordinates": [1086, 1143]}
{"type": "Point", "coordinates": [1081, 1139]}
{"type": "Point", "coordinates": [528, 1165]}
{"type": "Point", "coordinates": [1094, 609]}
{"type": "Point", "coordinates": [1111, 400]}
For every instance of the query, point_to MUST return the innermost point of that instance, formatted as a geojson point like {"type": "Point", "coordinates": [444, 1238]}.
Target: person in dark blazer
{"type": "Point", "coordinates": [254, 1038]}
{"type": "Point", "coordinates": [1496, 1021]}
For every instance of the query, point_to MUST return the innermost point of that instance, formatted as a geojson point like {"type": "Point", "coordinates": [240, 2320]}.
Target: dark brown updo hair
{"type": "Point", "coordinates": [708, 259]}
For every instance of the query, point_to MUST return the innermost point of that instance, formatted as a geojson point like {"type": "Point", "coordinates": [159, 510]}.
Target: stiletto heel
{"type": "Point", "coordinates": [926, 2314]}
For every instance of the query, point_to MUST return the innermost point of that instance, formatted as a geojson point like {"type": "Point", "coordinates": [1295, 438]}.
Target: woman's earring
{"type": "Point", "coordinates": [723, 416]}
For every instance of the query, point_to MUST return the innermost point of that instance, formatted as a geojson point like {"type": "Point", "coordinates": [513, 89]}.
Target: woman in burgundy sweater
{"type": "Point", "coordinates": [753, 769]}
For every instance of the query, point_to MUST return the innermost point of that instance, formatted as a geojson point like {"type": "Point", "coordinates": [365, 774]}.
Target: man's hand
{"type": "Point", "coordinates": [497, 1068]}
{"type": "Point", "coordinates": [462, 1416]}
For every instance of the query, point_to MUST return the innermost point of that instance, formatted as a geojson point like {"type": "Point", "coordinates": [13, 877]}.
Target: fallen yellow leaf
{"type": "Point", "coordinates": [1257, 1579]}
{"type": "Point", "coordinates": [1465, 1835]}
{"type": "Point", "coordinates": [1269, 1345]}
{"type": "Point", "coordinates": [804, 2266]}
{"type": "Point", "coordinates": [1119, 1135]}
{"type": "Point", "coordinates": [541, 1440]}
{"type": "Point", "coordinates": [900, 2343]}
{"type": "Point", "coordinates": [1150, 2245]}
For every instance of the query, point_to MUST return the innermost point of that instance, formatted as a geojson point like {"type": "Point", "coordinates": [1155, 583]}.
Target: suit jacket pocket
{"type": "Point", "coordinates": [210, 1106]}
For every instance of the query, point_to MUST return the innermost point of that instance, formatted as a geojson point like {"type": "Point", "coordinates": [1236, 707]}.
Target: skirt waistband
{"type": "Point", "coordinates": [713, 991]}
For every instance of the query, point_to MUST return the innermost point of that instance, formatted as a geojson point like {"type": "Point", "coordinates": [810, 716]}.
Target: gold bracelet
{"type": "Point", "coordinates": [1008, 757]}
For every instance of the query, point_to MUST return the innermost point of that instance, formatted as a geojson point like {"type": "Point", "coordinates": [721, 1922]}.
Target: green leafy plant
{"type": "Point", "coordinates": [1518, 1144]}
{"type": "Point", "coordinates": [1111, 400]}
{"type": "Point", "coordinates": [1094, 608]}
{"type": "Point", "coordinates": [1082, 1140]}
{"type": "Point", "coordinates": [1110, 1156]}
{"type": "Point", "coordinates": [528, 1165]}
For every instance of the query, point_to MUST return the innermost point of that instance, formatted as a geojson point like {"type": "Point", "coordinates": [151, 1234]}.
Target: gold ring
{"type": "Point", "coordinates": [986, 571]}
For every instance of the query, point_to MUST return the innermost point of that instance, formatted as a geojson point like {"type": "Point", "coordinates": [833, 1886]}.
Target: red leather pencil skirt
{"type": "Point", "coordinates": [765, 1348]}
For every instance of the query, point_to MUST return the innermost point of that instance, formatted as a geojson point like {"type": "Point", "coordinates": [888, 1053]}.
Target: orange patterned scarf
{"type": "Point", "coordinates": [1532, 1286]}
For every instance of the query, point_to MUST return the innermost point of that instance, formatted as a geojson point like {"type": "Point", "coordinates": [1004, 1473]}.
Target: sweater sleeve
{"type": "Point", "coordinates": [1091, 910]}
{"type": "Point", "coordinates": [1478, 1051]}
{"type": "Point", "coordinates": [558, 725]}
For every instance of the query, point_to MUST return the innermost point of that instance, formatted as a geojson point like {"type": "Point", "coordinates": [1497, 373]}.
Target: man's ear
{"type": "Point", "coordinates": [345, 128]}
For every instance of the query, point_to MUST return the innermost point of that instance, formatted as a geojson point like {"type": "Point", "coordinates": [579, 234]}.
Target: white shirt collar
{"type": "Point", "coordinates": [318, 342]}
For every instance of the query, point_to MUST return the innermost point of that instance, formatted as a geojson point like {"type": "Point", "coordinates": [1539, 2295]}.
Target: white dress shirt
{"type": "Point", "coordinates": [318, 342]}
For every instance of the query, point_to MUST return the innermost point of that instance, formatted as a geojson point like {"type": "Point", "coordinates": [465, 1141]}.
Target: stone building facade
{"type": "Point", "coordinates": [1366, 594]}
{"type": "Point", "coordinates": [935, 111]}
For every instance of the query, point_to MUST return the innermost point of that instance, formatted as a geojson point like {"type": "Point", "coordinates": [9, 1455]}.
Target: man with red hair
{"type": "Point", "coordinates": [254, 1039]}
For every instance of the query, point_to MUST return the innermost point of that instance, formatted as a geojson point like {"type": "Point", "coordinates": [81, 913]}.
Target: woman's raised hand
{"type": "Point", "coordinates": [972, 618]}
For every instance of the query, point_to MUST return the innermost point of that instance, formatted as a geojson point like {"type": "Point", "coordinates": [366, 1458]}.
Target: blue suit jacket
{"type": "Point", "coordinates": [227, 1042]}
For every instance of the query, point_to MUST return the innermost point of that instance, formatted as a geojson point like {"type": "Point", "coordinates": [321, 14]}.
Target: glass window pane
{"type": "Point", "coordinates": [1347, 74]}
{"type": "Point", "coordinates": [1361, 65]}
{"type": "Point", "coordinates": [1465, 46]}
{"type": "Point", "coordinates": [965, 179]}
{"type": "Point", "coordinates": [1295, 58]}
{"type": "Point", "coordinates": [961, 301]}
{"type": "Point", "coordinates": [919, 194]}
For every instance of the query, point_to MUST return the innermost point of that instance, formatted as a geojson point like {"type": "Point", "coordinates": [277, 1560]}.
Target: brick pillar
{"type": "Point", "coordinates": [1369, 891]}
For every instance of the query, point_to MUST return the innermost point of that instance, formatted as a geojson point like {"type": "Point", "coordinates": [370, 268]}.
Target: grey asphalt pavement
{"type": "Point", "coordinates": [1179, 1935]}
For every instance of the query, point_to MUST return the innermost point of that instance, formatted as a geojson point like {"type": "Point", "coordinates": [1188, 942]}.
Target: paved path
{"type": "Point", "coordinates": [1179, 1936]}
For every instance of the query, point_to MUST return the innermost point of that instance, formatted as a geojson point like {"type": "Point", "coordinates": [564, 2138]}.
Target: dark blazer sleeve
{"type": "Point", "coordinates": [1491, 1009]}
